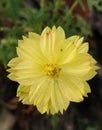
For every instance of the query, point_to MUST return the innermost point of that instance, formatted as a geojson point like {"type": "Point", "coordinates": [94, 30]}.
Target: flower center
{"type": "Point", "coordinates": [52, 70]}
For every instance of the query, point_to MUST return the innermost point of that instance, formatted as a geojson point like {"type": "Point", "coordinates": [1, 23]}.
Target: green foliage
{"type": "Point", "coordinates": [95, 3]}
{"type": "Point", "coordinates": [19, 17]}
{"type": "Point", "coordinates": [81, 4]}
{"type": "Point", "coordinates": [7, 49]}
{"type": "Point", "coordinates": [54, 121]}
{"type": "Point", "coordinates": [11, 8]}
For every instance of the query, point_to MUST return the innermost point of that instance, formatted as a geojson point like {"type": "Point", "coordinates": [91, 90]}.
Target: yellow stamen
{"type": "Point", "coordinates": [52, 70]}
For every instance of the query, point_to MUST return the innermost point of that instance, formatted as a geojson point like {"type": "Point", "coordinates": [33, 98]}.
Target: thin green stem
{"type": "Point", "coordinates": [42, 3]}
{"type": "Point", "coordinates": [71, 10]}
{"type": "Point", "coordinates": [73, 6]}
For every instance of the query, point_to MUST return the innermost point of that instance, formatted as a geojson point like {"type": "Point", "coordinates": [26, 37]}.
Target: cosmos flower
{"type": "Point", "coordinates": [52, 70]}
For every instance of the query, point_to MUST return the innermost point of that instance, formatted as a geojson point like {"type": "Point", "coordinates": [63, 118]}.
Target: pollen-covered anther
{"type": "Point", "coordinates": [52, 70]}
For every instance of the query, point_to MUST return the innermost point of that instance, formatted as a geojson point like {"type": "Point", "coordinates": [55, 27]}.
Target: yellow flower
{"type": "Point", "coordinates": [52, 71]}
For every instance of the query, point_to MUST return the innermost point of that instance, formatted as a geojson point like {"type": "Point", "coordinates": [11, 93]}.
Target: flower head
{"type": "Point", "coordinates": [52, 70]}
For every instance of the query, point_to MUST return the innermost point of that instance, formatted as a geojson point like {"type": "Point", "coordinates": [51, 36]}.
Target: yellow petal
{"type": "Point", "coordinates": [23, 94]}
{"type": "Point", "coordinates": [52, 71]}
{"type": "Point", "coordinates": [34, 36]}
{"type": "Point", "coordinates": [84, 48]}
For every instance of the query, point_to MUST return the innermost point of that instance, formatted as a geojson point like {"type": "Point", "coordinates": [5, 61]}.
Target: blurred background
{"type": "Point", "coordinates": [77, 17]}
